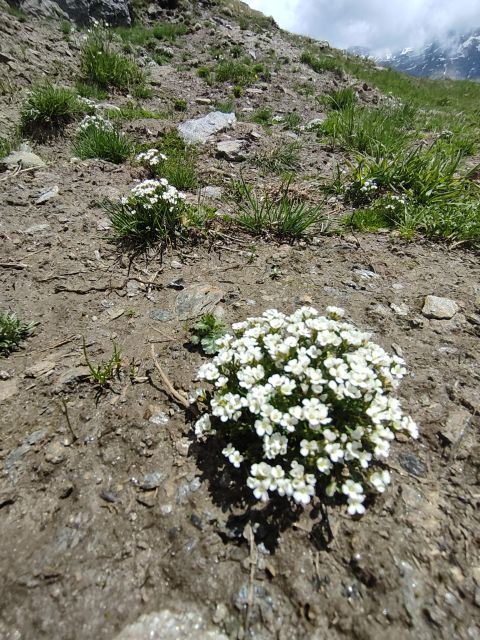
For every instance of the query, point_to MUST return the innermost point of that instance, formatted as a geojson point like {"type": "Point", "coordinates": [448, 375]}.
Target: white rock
{"type": "Point", "coordinates": [167, 625]}
{"type": "Point", "coordinates": [439, 308]}
{"type": "Point", "coordinates": [199, 130]}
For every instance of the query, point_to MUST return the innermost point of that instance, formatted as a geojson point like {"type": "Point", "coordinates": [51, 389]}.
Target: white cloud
{"type": "Point", "coordinates": [381, 25]}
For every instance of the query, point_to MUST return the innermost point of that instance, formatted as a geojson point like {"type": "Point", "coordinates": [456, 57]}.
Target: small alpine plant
{"type": "Point", "coordinates": [304, 397]}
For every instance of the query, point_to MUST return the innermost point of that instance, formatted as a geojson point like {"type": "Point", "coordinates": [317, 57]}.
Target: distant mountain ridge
{"type": "Point", "coordinates": [455, 56]}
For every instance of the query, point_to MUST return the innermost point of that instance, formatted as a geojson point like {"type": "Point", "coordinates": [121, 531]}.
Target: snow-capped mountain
{"type": "Point", "coordinates": [455, 56]}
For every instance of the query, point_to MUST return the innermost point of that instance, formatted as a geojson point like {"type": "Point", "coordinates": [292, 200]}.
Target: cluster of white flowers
{"type": "Point", "coordinates": [394, 202]}
{"type": "Point", "coordinates": [95, 122]}
{"type": "Point", "coordinates": [303, 397]}
{"type": "Point", "coordinates": [369, 186]}
{"type": "Point", "coordinates": [153, 193]}
{"type": "Point", "coordinates": [151, 158]}
{"type": "Point", "coordinates": [87, 102]}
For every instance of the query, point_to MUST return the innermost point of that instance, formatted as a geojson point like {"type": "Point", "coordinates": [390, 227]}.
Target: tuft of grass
{"type": "Point", "coordinates": [340, 100]}
{"type": "Point", "coordinates": [133, 111]}
{"type": "Point", "coordinates": [282, 215]}
{"type": "Point", "coordinates": [206, 331]}
{"type": "Point", "coordinates": [104, 67]}
{"type": "Point", "coordinates": [263, 116]}
{"type": "Point", "coordinates": [105, 144]}
{"type": "Point", "coordinates": [292, 121]}
{"type": "Point", "coordinates": [12, 332]}
{"type": "Point", "coordinates": [169, 31]}
{"type": "Point", "coordinates": [235, 72]}
{"type": "Point", "coordinates": [180, 105]}
{"type": "Point", "coordinates": [179, 167]}
{"type": "Point", "coordinates": [17, 12]}
{"type": "Point", "coordinates": [281, 159]}
{"type": "Point", "coordinates": [372, 131]}
{"type": "Point", "coordinates": [91, 91]}
{"type": "Point", "coordinates": [228, 106]}
{"type": "Point", "coordinates": [103, 373]}
{"type": "Point", "coordinates": [321, 63]}
{"type": "Point", "coordinates": [48, 109]}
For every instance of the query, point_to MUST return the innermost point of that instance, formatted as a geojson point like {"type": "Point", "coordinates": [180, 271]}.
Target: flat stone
{"type": "Point", "coordinates": [439, 308]}
{"type": "Point", "coordinates": [231, 150]}
{"type": "Point", "coordinates": [400, 309]}
{"type": "Point", "coordinates": [24, 157]}
{"type": "Point", "coordinates": [72, 375]}
{"type": "Point", "coordinates": [39, 368]}
{"type": "Point", "coordinates": [455, 425]}
{"type": "Point", "coordinates": [197, 300]}
{"type": "Point", "coordinates": [37, 228]}
{"type": "Point", "coordinates": [412, 464]}
{"type": "Point", "coordinates": [47, 195]}
{"type": "Point", "coordinates": [198, 130]}
{"type": "Point", "coordinates": [168, 625]}
{"type": "Point", "coordinates": [8, 388]}
{"type": "Point", "coordinates": [211, 192]}
{"type": "Point", "coordinates": [203, 101]}
{"type": "Point", "coordinates": [151, 481]}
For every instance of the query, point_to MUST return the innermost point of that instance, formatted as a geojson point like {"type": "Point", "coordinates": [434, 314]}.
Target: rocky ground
{"type": "Point", "coordinates": [115, 523]}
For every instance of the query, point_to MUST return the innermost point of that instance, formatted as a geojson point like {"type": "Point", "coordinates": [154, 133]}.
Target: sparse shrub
{"type": "Point", "coordinates": [282, 215]}
{"type": "Point", "coordinates": [263, 116]}
{"type": "Point", "coordinates": [153, 210]}
{"type": "Point", "coordinates": [203, 72]}
{"type": "Point", "coordinates": [12, 332]}
{"type": "Point", "coordinates": [90, 91]}
{"type": "Point", "coordinates": [238, 91]}
{"type": "Point", "coordinates": [17, 12]}
{"type": "Point", "coordinates": [305, 402]}
{"type": "Point", "coordinates": [101, 65]}
{"type": "Point", "coordinates": [322, 63]}
{"type": "Point", "coordinates": [236, 72]}
{"type": "Point", "coordinates": [206, 331]}
{"type": "Point", "coordinates": [180, 105]}
{"type": "Point", "coordinates": [169, 31]}
{"type": "Point", "coordinates": [228, 106]}
{"type": "Point", "coordinates": [97, 138]}
{"type": "Point", "coordinates": [48, 109]}
{"type": "Point", "coordinates": [280, 159]}
{"type": "Point", "coordinates": [102, 374]}
{"type": "Point", "coordinates": [292, 121]}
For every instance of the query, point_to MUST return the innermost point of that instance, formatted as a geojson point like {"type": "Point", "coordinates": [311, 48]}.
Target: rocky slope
{"type": "Point", "coordinates": [115, 523]}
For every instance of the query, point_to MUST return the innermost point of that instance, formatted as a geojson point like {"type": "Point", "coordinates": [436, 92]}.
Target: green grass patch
{"type": "Point", "coordinates": [340, 100]}
{"type": "Point", "coordinates": [13, 332]}
{"type": "Point", "coordinates": [263, 116]}
{"type": "Point", "coordinates": [282, 158]}
{"type": "Point", "coordinates": [48, 109]}
{"type": "Point", "coordinates": [321, 62]}
{"type": "Point", "coordinates": [280, 215]}
{"type": "Point", "coordinates": [133, 111]}
{"type": "Point", "coordinates": [102, 143]}
{"type": "Point", "coordinates": [103, 66]}
{"type": "Point", "coordinates": [375, 131]}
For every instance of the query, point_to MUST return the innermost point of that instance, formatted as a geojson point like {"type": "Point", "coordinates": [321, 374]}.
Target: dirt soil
{"type": "Point", "coordinates": [109, 509]}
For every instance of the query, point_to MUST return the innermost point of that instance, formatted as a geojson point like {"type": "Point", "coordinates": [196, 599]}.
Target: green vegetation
{"type": "Point", "coordinates": [90, 91]}
{"type": "Point", "coordinates": [179, 167]}
{"type": "Point", "coordinates": [134, 111]}
{"type": "Point", "coordinates": [282, 215]}
{"type": "Point", "coordinates": [340, 100]}
{"type": "Point", "coordinates": [371, 131]}
{"type": "Point", "coordinates": [103, 143]}
{"type": "Point", "coordinates": [12, 332]}
{"type": "Point", "coordinates": [322, 62]}
{"type": "Point", "coordinates": [143, 36]}
{"type": "Point", "coordinates": [228, 106]}
{"type": "Point", "coordinates": [292, 121]}
{"type": "Point", "coordinates": [263, 116]}
{"type": "Point", "coordinates": [280, 159]}
{"type": "Point", "coordinates": [206, 331]}
{"type": "Point", "coordinates": [104, 67]}
{"type": "Point", "coordinates": [180, 105]}
{"type": "Point", "coordinates": [102, 374]}
{"type": "Point", "coordinates": [17, 12]}
{"type": "Point", "coordinates": [48, 109]}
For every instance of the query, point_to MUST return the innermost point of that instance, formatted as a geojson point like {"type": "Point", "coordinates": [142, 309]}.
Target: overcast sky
{"type": "Point", "coordinates": [381, 25]}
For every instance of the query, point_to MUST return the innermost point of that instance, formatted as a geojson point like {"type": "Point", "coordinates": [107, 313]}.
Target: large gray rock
{"type": "Point", "coordinates": [24, 157]}
{"type": "Point", "coordinates": [439, 308]}
{"type": "Point", "coordinates": [44, 9]}
{"type": "Point", "coordinates": [167, 625]}
{"type": "Point", "coordinates": [199, 130]}
{"type": "Point", "coordinates": [113, 12]}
